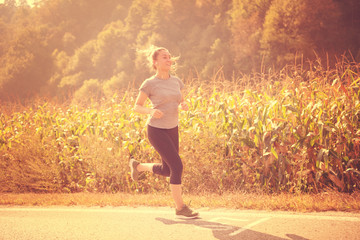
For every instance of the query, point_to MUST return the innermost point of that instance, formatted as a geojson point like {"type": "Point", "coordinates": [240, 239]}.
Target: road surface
{"type": "Point", "coordinates": [147, 223]}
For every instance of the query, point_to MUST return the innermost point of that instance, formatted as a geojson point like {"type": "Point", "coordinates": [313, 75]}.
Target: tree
{"type": "Point", "coordinates": [61, 44]}
{"type": "Point", "coordinates": [5, 36]}
{"type": "Point", "coordinates": [23, 3]}
{"type": "Point", "coordinates": [218, 58]}
{"type": "Point", "coordinates": [298, 27]}
{"type": "Point", "coordinates": [101, 58]}
{"type": "Point", "coordinates": [200, 34]}
{"type": "Point", "coordinates": [135, 18]}
{"type": "Point", "coordinates": [246, 23]}
{"type": "Point", "coordinates": [10, 3]}
{"type": "Point", "coordinates": [6, 11]}
{"type": "Point", "coordinates": [349, 27]}
{"type": "Point", "coordinates": [26, 65]}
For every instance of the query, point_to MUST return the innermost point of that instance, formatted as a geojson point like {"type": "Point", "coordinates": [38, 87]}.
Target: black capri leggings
{"type": "Point", "coordinates": [166, 143]}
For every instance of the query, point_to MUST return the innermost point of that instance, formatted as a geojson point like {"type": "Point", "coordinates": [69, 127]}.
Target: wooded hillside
{"type": "Point", "coordinates": [89, 46]}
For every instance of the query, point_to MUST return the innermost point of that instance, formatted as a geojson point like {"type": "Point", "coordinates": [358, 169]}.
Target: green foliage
{"type": "Point", "coordinates": [246, 24]}
{"type": "Point", "coordinates": [292, 131]}
{"type": "Point", "coordinates": [58, 45]}
{"type": "Point", "coordinates": [26, 60]}
{"type": "Point", "coordinates": [293, 27]}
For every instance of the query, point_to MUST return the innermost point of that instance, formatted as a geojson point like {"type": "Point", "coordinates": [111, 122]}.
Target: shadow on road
{"type": "Point", "coordinates": [222, 231]}
{"type": "Point", "coordinates": [296, 237]}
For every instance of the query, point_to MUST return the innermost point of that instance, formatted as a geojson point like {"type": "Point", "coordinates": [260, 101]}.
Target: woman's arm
{"type": "Point", "coordinates": [184, 106]}
{"type": "Point", "coordinates": [140, 108]}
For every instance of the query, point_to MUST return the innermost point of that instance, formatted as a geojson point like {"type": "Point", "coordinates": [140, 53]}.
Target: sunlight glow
{"type": "Point", "coordinates": [30, 2]}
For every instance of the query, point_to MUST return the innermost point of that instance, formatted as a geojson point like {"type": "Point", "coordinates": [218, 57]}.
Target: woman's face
{"type": "Point", "coordinates": [163, 61]}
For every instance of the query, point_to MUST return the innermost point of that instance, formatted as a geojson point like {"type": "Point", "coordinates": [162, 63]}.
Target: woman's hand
{"type": "Point", "coordinates": [184, 106]}
{"type": "Point", "coordinates": [156, 113]}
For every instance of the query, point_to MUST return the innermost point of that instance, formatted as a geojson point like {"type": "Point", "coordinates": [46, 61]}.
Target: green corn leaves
{"type": "Point", "coordinates": [289, 135]}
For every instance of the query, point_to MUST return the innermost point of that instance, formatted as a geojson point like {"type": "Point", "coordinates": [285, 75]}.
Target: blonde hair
{"type": "Point", "coordinates": [152, 52]}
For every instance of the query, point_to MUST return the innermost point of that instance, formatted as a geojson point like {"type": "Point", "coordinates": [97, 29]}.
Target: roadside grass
{"type": "Point", "coordinates": [326, 201]}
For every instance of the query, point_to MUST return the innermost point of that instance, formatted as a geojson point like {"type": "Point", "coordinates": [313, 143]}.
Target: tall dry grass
{"type": "Point", "coordinates": [295, 130]}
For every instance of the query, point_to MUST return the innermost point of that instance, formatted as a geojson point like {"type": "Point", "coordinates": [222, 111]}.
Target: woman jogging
{"type": "Point", "coordinates": [164, 92]}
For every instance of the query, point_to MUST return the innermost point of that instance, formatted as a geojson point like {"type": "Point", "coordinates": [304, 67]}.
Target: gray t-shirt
{"type": "Point", "coordinates": [164, 95]}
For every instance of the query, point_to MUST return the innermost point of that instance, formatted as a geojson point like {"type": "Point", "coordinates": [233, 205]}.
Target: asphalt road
{"type": "Point", "coordinates": [160, 223]}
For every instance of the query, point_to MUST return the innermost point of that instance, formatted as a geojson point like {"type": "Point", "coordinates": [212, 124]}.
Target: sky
{"type": "Point", "coordinates": [30, 2]}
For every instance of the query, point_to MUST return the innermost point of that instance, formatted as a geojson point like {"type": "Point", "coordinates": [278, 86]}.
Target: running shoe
{"type": "Point", "coordinates": [186, 213]}
{"type": "Point", "coordinates": [133, 166]}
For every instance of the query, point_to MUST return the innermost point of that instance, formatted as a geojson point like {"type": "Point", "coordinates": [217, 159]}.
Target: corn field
{"type": "Point", "coordinates": [295, 131]}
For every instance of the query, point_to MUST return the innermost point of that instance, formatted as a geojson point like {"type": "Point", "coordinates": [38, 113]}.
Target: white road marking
{"type": "Point", "coordinates": [229, 219]}
{"type": "Point", "coordinates": [249, 226]}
